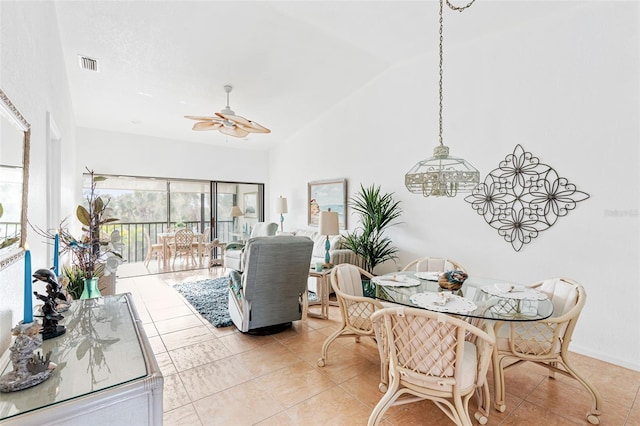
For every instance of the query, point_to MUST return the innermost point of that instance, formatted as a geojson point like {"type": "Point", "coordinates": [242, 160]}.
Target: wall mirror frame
{"type": "Point", "coordinates": [15, 121]}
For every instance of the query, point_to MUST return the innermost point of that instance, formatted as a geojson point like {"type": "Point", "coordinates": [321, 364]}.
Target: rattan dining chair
{"type": "Point", "coordinates": [182, 244]}
{"type": "Point", "coordinates": [156, 250]}
{"type": "Point", "coordinates": [433, 264]}
{"type": "Point", "coordinates": [201, 246]}
{"type": "Point", "coordinates": [544, 342]}
{"type": "Point", "coordinates": [433, 356]}
{"type": "Point", "coordinates": [355, 309]}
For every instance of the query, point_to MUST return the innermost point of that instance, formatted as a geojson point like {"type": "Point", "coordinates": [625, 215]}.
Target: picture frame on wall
{"type": "Point", "coordinates": [251, 204]}
{"type": "Point", "coordinates": [324, 195]}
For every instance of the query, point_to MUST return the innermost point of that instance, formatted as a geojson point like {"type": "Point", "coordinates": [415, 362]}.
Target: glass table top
{"type": "Point", "coordinates": [100, 349]}
{"type": "Point", "coordinates": [484, 298]}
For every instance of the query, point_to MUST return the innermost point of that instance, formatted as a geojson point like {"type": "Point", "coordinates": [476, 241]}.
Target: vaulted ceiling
{"type": "Point", "coordinates": [288, 62]}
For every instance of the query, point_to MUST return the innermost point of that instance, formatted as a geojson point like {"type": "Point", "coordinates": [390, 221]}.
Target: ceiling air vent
{"type": "Point", "coordinates": [87, 63]}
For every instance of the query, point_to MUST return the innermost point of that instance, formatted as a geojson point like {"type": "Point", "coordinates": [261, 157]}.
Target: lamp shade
{"type": "Point", "coordinates": [235, 211]}
{"type": "Point", "coordinates": [329, 223]}
{"type": "Point", "coordinates": [281, 205]}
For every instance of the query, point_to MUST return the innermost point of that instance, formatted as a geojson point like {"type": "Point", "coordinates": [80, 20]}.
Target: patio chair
{"type": "Point", "coordinates": [433, 264]}
{"type": "Point", "coordinates": [545, 342]}
{"type": "Point", "coordinates": [152, 249]}
{"type": "Point", "coordinates": [182, 244]}
{"type": "Point", "coordinates": [200, 246]}
{"type": "Point", "coordinates": [355, 309]}
{"type": "Point", "coordinates": [116, 242]}
{"type": "Point", "coordinates": [433, 356]}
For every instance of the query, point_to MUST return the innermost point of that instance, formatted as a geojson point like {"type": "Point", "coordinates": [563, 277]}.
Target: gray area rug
{"type": "Point", "coordinates": [210, 298]}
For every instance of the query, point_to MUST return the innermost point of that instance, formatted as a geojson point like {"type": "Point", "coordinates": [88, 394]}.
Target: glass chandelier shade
{"type": "Point", "coordinates": [442, 175]}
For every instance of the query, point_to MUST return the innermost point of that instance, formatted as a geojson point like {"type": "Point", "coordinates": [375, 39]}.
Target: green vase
{"type": "Point", "coordinates": [90, 289]}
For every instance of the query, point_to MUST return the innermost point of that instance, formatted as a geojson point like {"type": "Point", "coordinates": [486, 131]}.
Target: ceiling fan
{"type": "Point", "coordinates": [227, 122]}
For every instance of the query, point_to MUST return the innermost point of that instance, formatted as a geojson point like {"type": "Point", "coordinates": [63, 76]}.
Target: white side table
{"type": "Point", "coordinates": [324, 289]}
{"type": "Point", "coordinates": [217, 261]}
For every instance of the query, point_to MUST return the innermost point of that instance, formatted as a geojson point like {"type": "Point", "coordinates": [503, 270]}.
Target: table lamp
{"type": "Point", "coordinates": [329, 225]}
{"type": "Point", "coordinates": [281, 208]}
{"type": "Point", "coordinates": [235, 212]}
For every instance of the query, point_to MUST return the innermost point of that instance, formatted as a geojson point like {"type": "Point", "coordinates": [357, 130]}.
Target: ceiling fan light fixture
{"type": "Point", "coordinates": [227, 122]}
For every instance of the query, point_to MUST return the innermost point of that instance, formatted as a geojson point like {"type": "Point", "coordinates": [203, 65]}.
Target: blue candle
{"type": "Point", "coordinates": [28, 297]}
{"type": "Point", "coordinates": [56, 249]}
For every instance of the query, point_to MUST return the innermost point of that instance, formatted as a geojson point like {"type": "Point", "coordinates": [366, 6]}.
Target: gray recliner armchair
{"type": "Point", "coordinates": [270, 291]}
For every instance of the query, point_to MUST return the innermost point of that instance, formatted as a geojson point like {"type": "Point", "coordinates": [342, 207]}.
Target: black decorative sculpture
{"type": "Point", "coordinates": [50, 314]}
{"type": "Point", "coordinates": [54, 289]}
{"type": "Point", "coordinates": [523, 197]}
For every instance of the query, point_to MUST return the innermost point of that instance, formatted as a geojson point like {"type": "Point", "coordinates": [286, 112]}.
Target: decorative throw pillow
{"type": "Point", "coordinates": [336, 242]}
{"type": "Point", "coordinates": [318, 246]}
{"type": "Point", "coordinates": [235, 282]}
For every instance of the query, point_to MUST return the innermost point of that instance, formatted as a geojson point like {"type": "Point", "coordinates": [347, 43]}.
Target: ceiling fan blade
{"type": "Point", "coordinates": [233, 131]}
{"type": "Point", "coordinates": [207, 125]}
{"type": "Point", "coordinates": [256, 128]}
{"type": "Point", "coordinates": [200, 118]}
{"type": "Point", "coordinates": [235, 118]}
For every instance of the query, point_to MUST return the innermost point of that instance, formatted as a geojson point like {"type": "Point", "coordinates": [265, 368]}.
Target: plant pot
{"type": "Point", "coordinates": [368, 289]}
{"type": "Point", "coordinates": [90, 289]}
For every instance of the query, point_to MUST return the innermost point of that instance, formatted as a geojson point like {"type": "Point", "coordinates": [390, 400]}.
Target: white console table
{"type": "Point", "coordinates": [106, 373]}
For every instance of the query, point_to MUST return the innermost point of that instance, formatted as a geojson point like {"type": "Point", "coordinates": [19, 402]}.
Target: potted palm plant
{"type": "Point", "coordinates": [377, 212]}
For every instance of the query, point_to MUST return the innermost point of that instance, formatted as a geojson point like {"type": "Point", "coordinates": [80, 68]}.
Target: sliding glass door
{"type": "Point", "coordinates": [239, 206]}
{"type": "Point", "coordinates": [147, 207]}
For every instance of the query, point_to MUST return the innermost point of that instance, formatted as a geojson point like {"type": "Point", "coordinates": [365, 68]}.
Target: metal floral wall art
{"type": "Point", "coordinates": [523, 197]}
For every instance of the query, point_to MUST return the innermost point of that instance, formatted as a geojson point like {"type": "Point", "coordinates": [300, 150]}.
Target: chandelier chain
{"type": "Point", "coordinates": [440, 82]}
{"type": "Point", "coordinates": [459, 9]}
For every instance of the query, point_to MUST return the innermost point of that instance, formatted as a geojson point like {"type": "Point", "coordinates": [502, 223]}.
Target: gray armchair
{"type": "Point", "coordinates": [270, 291]}
{"type": "Point", "coordinates": [234, 251]}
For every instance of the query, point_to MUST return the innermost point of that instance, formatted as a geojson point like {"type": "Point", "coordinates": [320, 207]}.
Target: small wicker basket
{"type": "Point", "coordinates": [452, 280]}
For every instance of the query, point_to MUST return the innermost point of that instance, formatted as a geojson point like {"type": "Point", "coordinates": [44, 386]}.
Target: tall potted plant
{"type": "Point", "coordinates": [377, 212]}
{"type": "Point", "coordinates": [87, 257]}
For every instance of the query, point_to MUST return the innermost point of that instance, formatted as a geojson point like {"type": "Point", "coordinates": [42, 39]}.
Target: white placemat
{"type": "Point", "coordinates": [395, 281]}
{"type": "Point", "coordinates": [454, 304]}
{"type": "Point", "coordinates": [513, 292]}
{"type": "Point", "coordinates": [430, 276]}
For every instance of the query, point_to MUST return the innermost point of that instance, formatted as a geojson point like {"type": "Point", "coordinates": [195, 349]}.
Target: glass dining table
{"type": "Point", "coordinates": [484, 298]}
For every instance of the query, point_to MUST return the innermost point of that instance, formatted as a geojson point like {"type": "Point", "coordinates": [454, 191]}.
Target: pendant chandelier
{"type": "Point", "coordinates": [442, 174]}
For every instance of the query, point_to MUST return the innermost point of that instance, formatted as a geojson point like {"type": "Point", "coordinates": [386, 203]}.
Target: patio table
{"type": "Point", "coordinates": [165, 239]}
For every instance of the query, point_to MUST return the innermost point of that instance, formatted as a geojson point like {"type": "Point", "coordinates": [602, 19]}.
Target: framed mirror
{"type": "Point", "coordinates": [14, 181]}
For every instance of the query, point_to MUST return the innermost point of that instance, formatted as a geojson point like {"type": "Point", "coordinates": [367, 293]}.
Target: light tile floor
{"type": "Point", "coordinates": [222, 377]}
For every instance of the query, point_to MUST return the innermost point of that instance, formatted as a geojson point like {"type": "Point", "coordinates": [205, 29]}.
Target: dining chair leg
{"type": "Point", "coordinates": [325, 346]}
{"type": "Point", "coordinates": [383, 405]}
{"type": "Point", "coordinates": [498, 382]}
{"type": "Point", "coordinates": [483, 397]}
{"type": "Point", "coordinates": [593, 416]}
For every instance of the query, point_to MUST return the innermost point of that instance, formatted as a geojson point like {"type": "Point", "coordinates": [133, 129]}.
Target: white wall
{"type": "Point", "coordinates": [133, 155]}
{"type": "Point", "coordinates": [566, 88]}
{"type": "Point", "coordinates": [32, 74]}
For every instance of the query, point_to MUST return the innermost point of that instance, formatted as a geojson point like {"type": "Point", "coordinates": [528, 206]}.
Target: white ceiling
{"type": "Point", "coordinates": [288, 62]}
